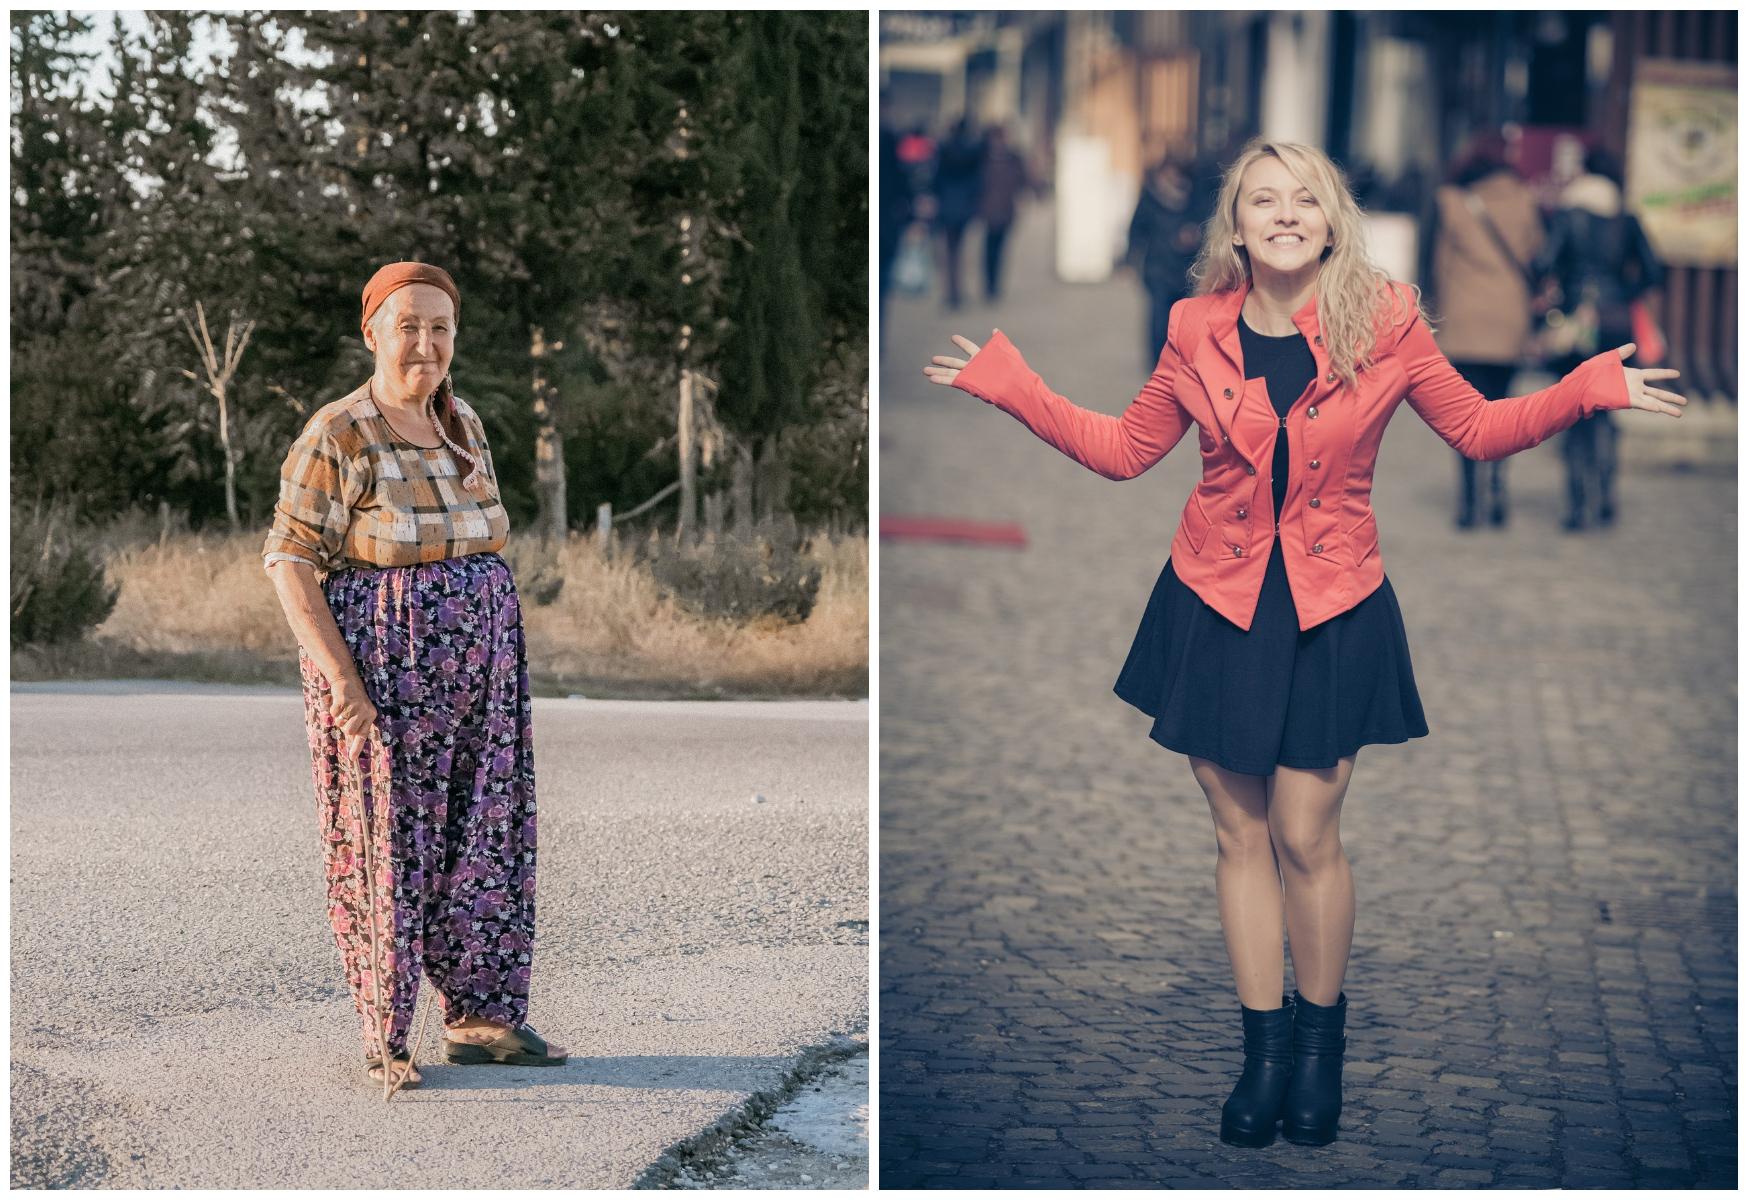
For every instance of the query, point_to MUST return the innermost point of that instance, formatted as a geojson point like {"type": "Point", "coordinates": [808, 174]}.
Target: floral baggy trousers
{"type": "Point", "coordinates": [445, 788]}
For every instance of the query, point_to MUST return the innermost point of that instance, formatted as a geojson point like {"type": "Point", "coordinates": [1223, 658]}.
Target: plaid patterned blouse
{"type": "Point", "coordinates": [353, 494]}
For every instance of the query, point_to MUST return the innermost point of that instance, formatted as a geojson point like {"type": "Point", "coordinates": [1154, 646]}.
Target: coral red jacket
{"type": "Point", "coordinates": [1328, 532]}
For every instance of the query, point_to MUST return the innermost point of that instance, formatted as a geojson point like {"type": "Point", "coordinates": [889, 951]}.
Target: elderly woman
{"type": "Point", "coordinates": [415, 689]}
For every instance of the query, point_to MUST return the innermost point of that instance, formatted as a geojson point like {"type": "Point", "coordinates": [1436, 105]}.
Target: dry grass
{"type": "Point", "coordinates": [612, 621]}
{"type": "Point", "coordinates": [196, 594]}
{"type": "Point", "coordinates": [610, 631]}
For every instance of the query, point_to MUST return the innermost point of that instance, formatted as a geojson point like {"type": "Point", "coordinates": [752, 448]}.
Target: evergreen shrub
{"type": "Point", "coordinates": [60, 591]}
{"type": "Point", "coordinates": [764, 576]}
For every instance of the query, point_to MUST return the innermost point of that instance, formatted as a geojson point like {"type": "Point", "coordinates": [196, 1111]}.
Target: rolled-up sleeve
{"type": "Point", "coordinates": [319, 486]}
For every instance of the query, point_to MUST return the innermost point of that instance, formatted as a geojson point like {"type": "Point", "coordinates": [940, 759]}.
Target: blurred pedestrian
{"type": "Point", "coordinates": [1164, 235]}
{"type": "Point", "coordinates": [957, 188]}
{"type": "Point", "coordinates": [1486, 234]}
{"type": "Point", "coordinates": [916, 150]}
{"type": "Point", "coordinates": [895, 203]}
{"type": "Point", "coordinates": [1004, 178]}
{"type": "Point", "coordinates": [1598, 257]}
{"type": "Point", "coordinates": [415, 683]}
{"type": "Point", "coordinates": [1273, 646]}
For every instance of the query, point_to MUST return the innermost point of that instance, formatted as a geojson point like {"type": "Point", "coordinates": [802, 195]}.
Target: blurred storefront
{"type": "Point", "coordinates": [1093, 97]}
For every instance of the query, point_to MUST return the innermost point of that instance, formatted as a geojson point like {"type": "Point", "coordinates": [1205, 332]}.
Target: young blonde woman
{"type": "Point", "coordinates": [1273, 648]}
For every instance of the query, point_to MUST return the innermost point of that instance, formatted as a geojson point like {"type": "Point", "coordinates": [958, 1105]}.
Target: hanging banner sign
{"type": "Point", "coordinates": [1681, 160]}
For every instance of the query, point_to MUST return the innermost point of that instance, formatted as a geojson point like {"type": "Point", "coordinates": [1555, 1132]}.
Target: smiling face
{"type": "Point", "coordinates": [413, 338]}
{"type": "Point", "coordinates": [1278, 221]}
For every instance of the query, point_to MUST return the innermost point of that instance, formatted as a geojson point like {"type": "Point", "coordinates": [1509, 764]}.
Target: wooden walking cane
{"type": "Point", "coordinates": [391, 1078]}
{"type": "Point", "coordinates": [413, 1046]}
{"type": "Point", "coordinates": [355, 777]}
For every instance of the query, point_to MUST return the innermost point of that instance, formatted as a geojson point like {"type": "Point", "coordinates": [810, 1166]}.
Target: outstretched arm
{"type": "Point", "coordinates": [1476, 429]}
{"type": "Point", "coordinates": [1116, 447]}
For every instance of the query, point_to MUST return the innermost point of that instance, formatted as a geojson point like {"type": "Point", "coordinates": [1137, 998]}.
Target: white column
{"type": "Point", "coordinates": [1396, 107]}
{"type": "Point", "coordinates": [1295, 74]}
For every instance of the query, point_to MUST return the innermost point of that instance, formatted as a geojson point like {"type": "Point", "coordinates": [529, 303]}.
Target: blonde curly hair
{"type": "Point", "coordinates": [1355, 302]}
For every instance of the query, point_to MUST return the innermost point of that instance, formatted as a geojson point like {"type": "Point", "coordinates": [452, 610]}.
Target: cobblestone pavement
{"type": "Point", "coordinates": [1542, 990]}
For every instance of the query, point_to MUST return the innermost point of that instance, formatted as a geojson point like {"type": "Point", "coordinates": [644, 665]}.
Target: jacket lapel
{"type": "Point", "coordinates": [1246, 415]}
{"type": "Point", "coordinates": [1220, 365]}
{"type": "Point", "coordinates": [1306, 321]}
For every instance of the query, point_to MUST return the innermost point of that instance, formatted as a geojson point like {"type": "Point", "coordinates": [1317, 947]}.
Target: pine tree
{"type": "Point", "coordinates": [797, 286]}
{"type": "Point", "coordinates": [74, 438]}
{"type": "Point", "coordinates": [179, 242]}
{"type": "Point", "coordinates": [626, 202]}
{"type": "Point", "coordinates": [57, 206]}
{"type": "Point", "coordinates": [484, 143]}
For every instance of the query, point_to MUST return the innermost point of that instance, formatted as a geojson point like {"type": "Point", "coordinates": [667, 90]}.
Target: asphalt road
{"type": "Point", "coordinates": [179, 1018]}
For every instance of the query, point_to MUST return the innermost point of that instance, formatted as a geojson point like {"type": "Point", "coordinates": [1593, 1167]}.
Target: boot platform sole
{"type": "Point", "coordinates": [1254, 1139]}
{"type": "Point", "coordinates": [1309, 1137]}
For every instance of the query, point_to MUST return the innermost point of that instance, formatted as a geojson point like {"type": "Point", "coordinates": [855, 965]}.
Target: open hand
{"type": "Point", "coordinates": [945, 368]}
{"type": "Point", "coordinates": [1639, 389]}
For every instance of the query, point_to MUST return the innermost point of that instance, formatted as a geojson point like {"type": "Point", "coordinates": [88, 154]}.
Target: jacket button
{"type": "Point", "coordinates": [1249, 470]}
{"type": "Point", "coordinates": [1318, 339]}
{"type": "Point", "coordinates": [1316, 503]}
{"type": "Point", "coordinates": [1225, 438]}
{"type": "Point", "coordinates": [1242, 512]}
{"type": "Point", "coordinates": [1329, 378]}
{"type": "Point", "coordinates": [1238, 552]}
{"type": "Point", "coordinates": [1317, 549]}
{"type": "Point", "coordinates": [1312, 412]}
{"type": "Point", "coordinates": [1229, 393]}
{"type": "Point", "coordinates": [1315, 463]}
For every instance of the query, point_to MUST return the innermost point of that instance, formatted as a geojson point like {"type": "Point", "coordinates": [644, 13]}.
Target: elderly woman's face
{"type": "Point", "coordinates": [413, 337]}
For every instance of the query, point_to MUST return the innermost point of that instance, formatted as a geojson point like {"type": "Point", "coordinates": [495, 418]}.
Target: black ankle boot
{"type": "Point", "coordinates": [1313, 1103]}
{"type": "Point", "coordinates": [1251, 1111]}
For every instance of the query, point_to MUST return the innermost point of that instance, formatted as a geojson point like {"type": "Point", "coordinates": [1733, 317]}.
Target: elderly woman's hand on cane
{"type": "Point", "coordinates": [944, 369]}
{"type": "Point", "coordinates": [354, 713]}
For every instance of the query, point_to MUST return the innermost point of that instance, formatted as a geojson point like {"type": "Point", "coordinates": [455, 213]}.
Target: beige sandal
{"type": "Point", "coordinates": [372, 1065]}
{"type": "Point", "coordinates": [518, 1047]}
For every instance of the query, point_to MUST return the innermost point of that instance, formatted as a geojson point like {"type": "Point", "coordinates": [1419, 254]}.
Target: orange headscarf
{"type": "Point", "coordinates": [398, 275]}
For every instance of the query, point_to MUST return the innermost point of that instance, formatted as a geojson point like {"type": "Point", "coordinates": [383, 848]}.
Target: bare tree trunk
{"type": "Point", "coordinates": [230, 459]}
{"type": "Point", "coordinates": [218, 379]}
{"type": "Point", "coordinates": [688, 524]}
{"type": "Point", "coordinates": [773, 479]}
{"type": "Point", "coordinates": [549, 482]}
{"type": "Point", "coordinates": [713, 516]}
{"type": "Point", "coordinates": [741, 492]}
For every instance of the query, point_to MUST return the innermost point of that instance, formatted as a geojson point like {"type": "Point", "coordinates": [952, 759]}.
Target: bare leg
{"type": "Point", "coordinates": [1247, 881]}
{"type": "Point", "coordinates": [1304, 817]}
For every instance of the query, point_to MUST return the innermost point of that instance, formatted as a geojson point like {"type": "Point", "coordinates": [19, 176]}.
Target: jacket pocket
{"type": "Point", "coordinates": [1362, 539]}
{"type": "Point", "coordinates": [1193, 528]}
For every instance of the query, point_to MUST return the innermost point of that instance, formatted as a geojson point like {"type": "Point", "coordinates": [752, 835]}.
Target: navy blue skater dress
{"type": "Point", "coordinates": [1275, 694]}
